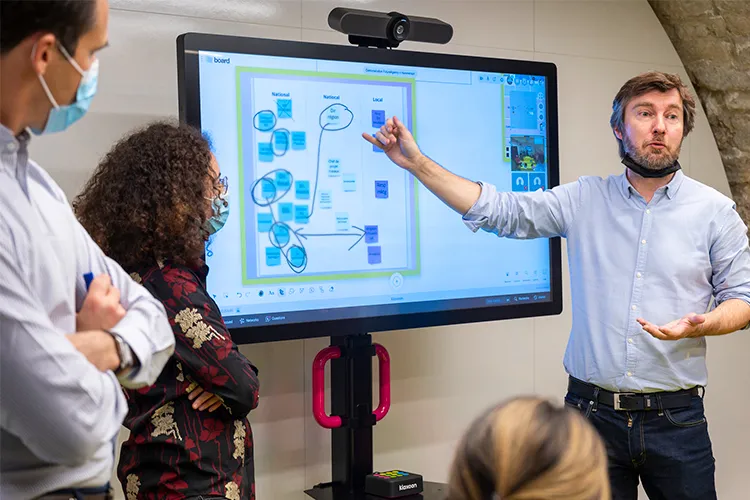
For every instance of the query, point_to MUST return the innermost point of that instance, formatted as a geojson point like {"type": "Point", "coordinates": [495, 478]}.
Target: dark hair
{"type": "Point", "coordinates": [146, 200]}
{"type": "Point", "coordinates": [68, 20]}
{"type": "Point", "coordinates": [643, 84]}
{"type": "Point", "coordinates": [527, 448]}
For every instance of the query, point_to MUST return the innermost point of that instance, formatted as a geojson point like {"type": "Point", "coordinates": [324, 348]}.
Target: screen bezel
{"type": "Point", "coordinates": [188, 45]}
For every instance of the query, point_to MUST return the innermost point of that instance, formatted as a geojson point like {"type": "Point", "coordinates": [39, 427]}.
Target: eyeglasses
{"type": "Point", "coordinates": [222, 185]}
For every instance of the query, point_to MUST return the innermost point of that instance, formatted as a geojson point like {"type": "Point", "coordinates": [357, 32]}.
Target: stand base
{"type": "Point", "coordinates": [432, 491]}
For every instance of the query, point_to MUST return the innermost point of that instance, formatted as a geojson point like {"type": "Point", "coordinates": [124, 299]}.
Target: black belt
{"type": "Point", "coordinates": [632, 401]}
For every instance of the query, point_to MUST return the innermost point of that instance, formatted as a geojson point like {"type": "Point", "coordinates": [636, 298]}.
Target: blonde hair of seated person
{"type": "Point", "coordinates": [529, 449]}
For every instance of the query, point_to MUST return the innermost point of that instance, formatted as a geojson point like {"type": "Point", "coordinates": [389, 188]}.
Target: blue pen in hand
{"type": "Point", "coordinates": [88, 278]}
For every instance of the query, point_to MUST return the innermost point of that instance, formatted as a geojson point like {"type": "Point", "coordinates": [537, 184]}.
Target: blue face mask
{"type": "Point", "coordinates": [61, 117]}
{"type": "Point", "coordinates": [220, 207]}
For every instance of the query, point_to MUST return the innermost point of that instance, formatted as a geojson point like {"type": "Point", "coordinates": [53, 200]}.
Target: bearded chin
{"type": "Point", "coordinates": [652, 160]}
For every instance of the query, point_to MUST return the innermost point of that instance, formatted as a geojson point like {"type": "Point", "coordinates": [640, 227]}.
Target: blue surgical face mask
{"type": "Point", "coordinates": [220, 207]}
{"type": "Point", "coordinates": [61, 117]}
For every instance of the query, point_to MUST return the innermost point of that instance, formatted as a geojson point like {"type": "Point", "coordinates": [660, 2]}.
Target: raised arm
{"type": "Point", "coordinates": [398, 143]}
{"type": "Point", "coordinates": [516, 215]}
{"type": "Point", "coordinates": [51, 398]}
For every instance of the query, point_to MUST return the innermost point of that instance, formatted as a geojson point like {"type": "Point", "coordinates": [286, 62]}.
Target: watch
{"type": "Point", "coordinates": [125, 354]}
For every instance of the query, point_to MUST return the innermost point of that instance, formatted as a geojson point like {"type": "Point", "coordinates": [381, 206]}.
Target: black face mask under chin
{"type": "Point", "coordinates": [646, 172]}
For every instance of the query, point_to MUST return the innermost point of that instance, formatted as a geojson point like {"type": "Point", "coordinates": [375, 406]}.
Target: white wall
{"type": "Point", "coordinates": [442, 377]}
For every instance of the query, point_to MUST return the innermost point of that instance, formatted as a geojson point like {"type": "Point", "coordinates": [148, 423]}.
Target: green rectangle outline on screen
{"type": "Point", "coordinates": [243, 236]}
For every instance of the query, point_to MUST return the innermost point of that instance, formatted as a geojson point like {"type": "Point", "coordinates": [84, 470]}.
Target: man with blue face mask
{"type": "Point", "coordinates": [73, 325]}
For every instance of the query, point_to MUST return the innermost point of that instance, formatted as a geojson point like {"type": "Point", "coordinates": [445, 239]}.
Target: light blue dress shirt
{"type": "Point", "coordinates": [628, 259]}
{"type": "Point", "coordinates": [59, 415]}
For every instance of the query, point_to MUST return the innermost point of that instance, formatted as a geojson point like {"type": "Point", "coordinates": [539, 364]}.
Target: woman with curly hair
{"type": "Point", "coordinates": [529, 449]}
{"type": "Point", "coordinates": [151, 205]}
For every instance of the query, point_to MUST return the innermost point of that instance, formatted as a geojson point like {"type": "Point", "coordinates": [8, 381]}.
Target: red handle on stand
{"type": "Point", "coordinates": [319, 388]}
{"type": "Point", "coordinates": [384, 368]}
{"type": "Point", "coordinates": [319, 392]}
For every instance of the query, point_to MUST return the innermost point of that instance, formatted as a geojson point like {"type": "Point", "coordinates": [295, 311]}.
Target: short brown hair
{"type": "Point", "coordinates": [528, 448]}
{"type": "Point", "coordinates": [643, 84]}
{"type": "Point", "coordinates": [68, 20]}
{"type": "Point", "coordinates": [146, 199]}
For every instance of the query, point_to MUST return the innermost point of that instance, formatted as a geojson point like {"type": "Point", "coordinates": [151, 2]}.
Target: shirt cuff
{"type": "Point", "coordinates": [476, 217]}
{"type": "Point", "coordinates": [141, 348]}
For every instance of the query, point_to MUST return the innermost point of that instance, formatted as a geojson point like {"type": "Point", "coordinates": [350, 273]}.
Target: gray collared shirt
{"type": "Point", "coordinates": [59, 415]}
{"type": "Point", "coordinates": [630, 259]}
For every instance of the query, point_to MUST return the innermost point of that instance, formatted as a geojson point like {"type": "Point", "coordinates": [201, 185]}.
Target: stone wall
{"type": "Point", "coordinates": [712, 37]}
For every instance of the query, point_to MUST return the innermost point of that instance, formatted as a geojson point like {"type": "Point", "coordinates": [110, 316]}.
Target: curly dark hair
{"type": "Point", "coordinates": [146, 199]}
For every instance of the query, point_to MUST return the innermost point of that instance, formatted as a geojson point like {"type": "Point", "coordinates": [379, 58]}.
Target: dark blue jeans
{"type": "Point", "coordinates": [669, 450]}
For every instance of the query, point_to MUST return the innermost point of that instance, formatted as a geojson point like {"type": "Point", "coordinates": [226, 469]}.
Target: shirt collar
{"type": "Point", "coordinates": [670, 189]}
{"type": "Point", "coordinates": [13, 144]}
{"type": "Point", "coordinates": [7, 137]}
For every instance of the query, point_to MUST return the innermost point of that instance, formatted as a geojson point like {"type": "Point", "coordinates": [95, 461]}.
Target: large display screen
{"type": "Point", "coordinates": [326, 235]}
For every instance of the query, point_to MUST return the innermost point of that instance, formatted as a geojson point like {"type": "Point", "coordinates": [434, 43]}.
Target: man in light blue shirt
{"type": "Point", "coordinates": [73, 325]}
{"type": "Point", "coordinates": [648, 251]}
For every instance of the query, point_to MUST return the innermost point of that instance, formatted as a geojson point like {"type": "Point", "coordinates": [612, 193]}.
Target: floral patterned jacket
{"type": "Point", "coordinates": [175, 452]}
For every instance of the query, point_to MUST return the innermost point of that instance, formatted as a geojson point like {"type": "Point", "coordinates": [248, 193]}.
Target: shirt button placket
{"type": "Point", "coordinates": [635, 299]}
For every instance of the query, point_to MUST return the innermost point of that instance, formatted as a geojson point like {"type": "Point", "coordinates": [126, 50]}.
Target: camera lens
{"type": "Point", "coordinates": [399, 28]}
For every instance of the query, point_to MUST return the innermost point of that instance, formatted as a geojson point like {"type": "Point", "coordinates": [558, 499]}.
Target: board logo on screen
{"type": "Point", "coordinates": [216, 60]}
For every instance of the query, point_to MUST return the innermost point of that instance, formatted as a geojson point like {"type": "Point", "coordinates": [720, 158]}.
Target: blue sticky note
{"type": "Point", "coordinates": [265, 121]}
{"type": "Point", "coordinates": [373, 255]}
{"type": "Point", "coordinates": [381, 189]}
{"type": "Point", "coordinates": [342, 221]}
{"type": "Point", "coordinates": [268, 189]}
{"type": "Point", "coordinates": [281, 141]}
{"type": "Point", "coordinates": [371, 234]}
{"type": "Point", "coordinates": [281, 234]}
{"type": "Point", "coordinates": [273, 256]}
{"type": "Point", "coordinates": [378, 118]}
{"type": "Point", "coordinates": [300, 214]}
{"type": "Point", "coordinates": [334, 167]}
{"type": "Point", "coordinates": [325, 201]}
{"type": "Point", "coordinates": [519, 181]}
{"type": "Point", "coordinates": [299, 141]}
{"type": "Point", "coordinates": [265, 221]}
{"type": "Point", "coordinates": [284, 108]}
{"type": "Point", "coordinates": [286, 212]}
{"type": "Point", "coordinates": [302, 190]}
{"type": "Point", "coordinates": [537, 180]}
{"type": "Point", "coordinates": [297, 256]}
{"type": "Point", "coordinates": [283, 180]}
{"type": "Point", "coordinates": [88, 278]}
{"type": "Point", "coordinates": [265, 152]}
{"type": "Point", "coordinates": [350, 183]}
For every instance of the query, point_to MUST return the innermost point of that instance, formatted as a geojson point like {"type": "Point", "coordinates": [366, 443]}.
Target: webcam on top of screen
{"type": "Point", "coordinates": [367, 28]}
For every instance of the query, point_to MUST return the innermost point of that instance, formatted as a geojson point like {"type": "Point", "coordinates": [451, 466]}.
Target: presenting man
{"type": "Point", "coordinates": [648, 250]}
{"type": "Point", "coordinates": [71, 321]}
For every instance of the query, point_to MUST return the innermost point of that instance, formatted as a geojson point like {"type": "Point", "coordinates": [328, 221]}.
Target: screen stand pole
{"type": "Point", "coordinates": [351, 398]}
